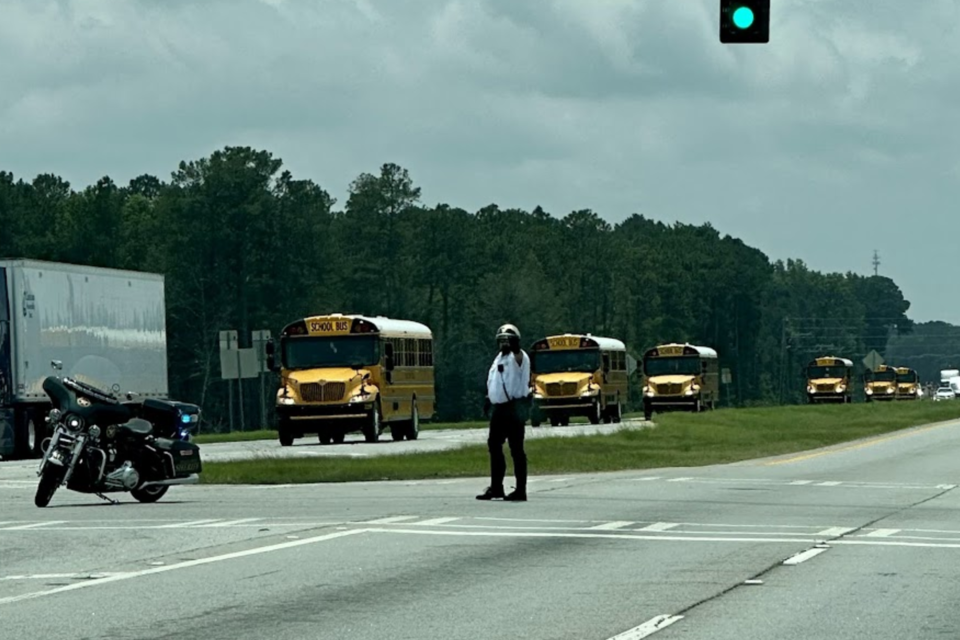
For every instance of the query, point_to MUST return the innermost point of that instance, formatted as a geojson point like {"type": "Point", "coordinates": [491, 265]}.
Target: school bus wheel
{"type": "Point", "coordinates": [596, 412]}
{"type": "Point", "coordinates": [285, 432]}
{"type": "Point", "coordinates": [373, 426]}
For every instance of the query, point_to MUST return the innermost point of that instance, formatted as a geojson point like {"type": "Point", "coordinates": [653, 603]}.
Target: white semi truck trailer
{"type": "Point", "coordinates": [106, 327]}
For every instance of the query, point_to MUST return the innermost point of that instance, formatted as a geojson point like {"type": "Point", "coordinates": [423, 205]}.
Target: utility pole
{"type": "Point", "coordinates": [876, 263]}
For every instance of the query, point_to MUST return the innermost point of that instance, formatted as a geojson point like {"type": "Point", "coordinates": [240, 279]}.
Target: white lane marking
{"type": "Point", "coordinates": [881, 533]}
{"type": "Point", "coordinates": [35, 525]}
{"type": "Point", "coordinates": [684, 479]}
{"type": "Point", "coordinates": [434, 522]}
{"type": "Point", "coordinates": [829, 483]}
{"type": "Point", "coordinates": [192, 523]}
{"type": "Point", "coordinates": [797, 483]}
{"type": "Point", "coordinates": [613, 535]}
{"type": "Point", "coordinates": [181, 565]}
{"type": "Point", "coordinates": [228, 523]}
{"type": "Point", "coordinates": [659, 526]}
{"type": "Point", "coordinates": [835, 531]}
{"type": "Point", "coordinates": [803, 556]}
{"type": "Point", "coordinates": [665, 538]}
{"type": "Point", "coordinates": [647, 478]}
{"type": "Point", "coordinates": [607, 526]}
{"type": "Point", "coordinates": [390, 520]}
{"type": "Point", "coordinates": [648, 628]}
{"type": "Point", "coordinates": [58, 576]}
{"type": "Point", "coordinates": [531, 520]}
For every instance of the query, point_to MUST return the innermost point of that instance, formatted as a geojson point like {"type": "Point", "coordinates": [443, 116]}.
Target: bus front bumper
{"type": "Point", "coordinates": [315, 413]}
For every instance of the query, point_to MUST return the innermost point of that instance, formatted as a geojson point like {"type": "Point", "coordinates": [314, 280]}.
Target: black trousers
{"type": "Point", "coordinates": [507, 425]}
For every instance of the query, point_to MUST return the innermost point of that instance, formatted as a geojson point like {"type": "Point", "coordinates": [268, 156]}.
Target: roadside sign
{"type": "Point", "coordinates": [239, 363]}
{"type": "Point", "coordinates": [228, 340]}
{"type": "Point", "coordinates": [631, 364]}
{"type": "Point", "coordinates": [725, 376]}
{"type": "Point", "coordinates": [873, 360]}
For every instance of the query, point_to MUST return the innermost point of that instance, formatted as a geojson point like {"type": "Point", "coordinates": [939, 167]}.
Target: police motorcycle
{"type": "Point", "coordinates": [101, 445]}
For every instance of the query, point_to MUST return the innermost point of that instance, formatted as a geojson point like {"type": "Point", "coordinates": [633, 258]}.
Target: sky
{"type": "Point", "coordinates": [838, 138]}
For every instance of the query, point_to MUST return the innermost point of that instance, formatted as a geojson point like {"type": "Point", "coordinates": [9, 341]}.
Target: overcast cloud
{"type": "Point", "coordinates": [838, 138]}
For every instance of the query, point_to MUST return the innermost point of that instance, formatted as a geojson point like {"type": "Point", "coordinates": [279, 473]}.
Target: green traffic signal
{"type": "Point", "coordinates": [743, 17]}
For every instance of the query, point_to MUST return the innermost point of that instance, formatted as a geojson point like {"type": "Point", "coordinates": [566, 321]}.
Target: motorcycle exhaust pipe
{"type": "Point", "coordinates": [193, 478]}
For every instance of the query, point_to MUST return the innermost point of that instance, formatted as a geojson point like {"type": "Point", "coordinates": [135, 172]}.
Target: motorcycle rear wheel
{"type": "Point", "coordinates": [149, 494]}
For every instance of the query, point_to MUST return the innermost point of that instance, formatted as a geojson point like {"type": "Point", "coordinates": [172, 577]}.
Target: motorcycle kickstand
{"type": "Point", "coordinates": [110, 500]}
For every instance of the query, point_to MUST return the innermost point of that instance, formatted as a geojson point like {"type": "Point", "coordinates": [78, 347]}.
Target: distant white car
{"type": "Point", "coordinates": [945, 393]}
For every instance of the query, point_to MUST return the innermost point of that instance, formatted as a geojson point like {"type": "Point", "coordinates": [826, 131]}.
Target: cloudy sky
{"type": "Point", "coordinates": [838, 138]}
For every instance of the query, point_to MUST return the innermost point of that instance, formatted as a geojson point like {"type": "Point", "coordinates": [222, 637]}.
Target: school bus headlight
{"type": "Point", "coordinates": [889, 390]}
{"type": "Point", "coordinates": [690, 391]}
{"type": "Point", "coordinates": [364, 397]}
{"type": "Point", "coordinates": [589, 391]}
{"type": "Point", "coordinates": [841, 388]}
{"type": "Point", "coordinates": [287, 400]}
{"type": "Point", "coordinates": [868, 391]}
{"type": "Point", "coordinates": [811, 388]}
{"type": "Point", "coordinates": [537, 395]}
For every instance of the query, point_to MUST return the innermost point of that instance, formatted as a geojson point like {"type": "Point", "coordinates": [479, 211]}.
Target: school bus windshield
{"type": "Point", "coordinates": [676, 366]}
{"type": "Point", "coordinates": [817, 372]}
{"type": "Point", "coordinates": [565, 361]}
{"type": "Point", "coordinates": [882, 376]}
{"type": "Point", "coordinates": [340, 351]}
{"type": "Point", "coordinates": [907, 377]}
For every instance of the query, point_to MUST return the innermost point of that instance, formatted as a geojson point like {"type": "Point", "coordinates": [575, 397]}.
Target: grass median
{"type": "Point", "coordinates": [269, 434]}
{"type": "Point", "coordinates": [678, 440]}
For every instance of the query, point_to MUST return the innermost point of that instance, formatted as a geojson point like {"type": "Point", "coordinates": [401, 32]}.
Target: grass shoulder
{"type": "Point", "coordinates": [271, 434]}
{"type": "Point", "coordinates": [678, 440]}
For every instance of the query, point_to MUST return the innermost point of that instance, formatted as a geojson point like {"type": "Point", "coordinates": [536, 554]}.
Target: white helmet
{"type": "Point", "coordinates": [506, 331]}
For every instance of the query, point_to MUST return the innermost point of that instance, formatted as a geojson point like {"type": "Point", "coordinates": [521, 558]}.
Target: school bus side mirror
{"type": "Point", "coordinates": [606, 364]}
{"type": "Point", "coordinates": [388, 357]}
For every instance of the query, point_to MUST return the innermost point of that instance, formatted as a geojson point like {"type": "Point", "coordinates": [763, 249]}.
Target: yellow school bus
{"type": "Point", "coordinates": [578, 375]}
{"type": "Point", "coordinates": [908, 384]}
{"type": "Point", "coordinates": [680, 376]}
{"type": "Point", "coordinates": [829, 380]}
{"type": "Point", "coordinates": [880, 385]}
{"type": "Point", "coordinates": [343, 373]}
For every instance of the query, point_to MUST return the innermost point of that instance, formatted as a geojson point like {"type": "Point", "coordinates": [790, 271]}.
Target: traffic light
{"type": "Point", "coordinates": [744, 21]}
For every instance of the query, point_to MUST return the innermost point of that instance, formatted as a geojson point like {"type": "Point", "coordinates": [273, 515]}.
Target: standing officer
{"type": "Point", "coordinates": [508, 389]}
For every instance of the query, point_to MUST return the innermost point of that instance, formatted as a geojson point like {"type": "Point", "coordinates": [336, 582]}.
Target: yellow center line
{"type": "Point", "coordinates": [861, 445]}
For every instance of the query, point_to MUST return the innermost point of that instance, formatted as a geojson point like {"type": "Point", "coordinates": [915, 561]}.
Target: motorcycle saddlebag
{"type": "Point", "coordinates": [182, 458]}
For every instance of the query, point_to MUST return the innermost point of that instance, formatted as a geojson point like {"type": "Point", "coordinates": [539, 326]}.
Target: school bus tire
{"type": "Point", "coordinates": [596, 412]}
{"type": "Point", "coordinates": [374, 426]}
{"type": "Point", "coordinates": [615, 412]}
{"type": "Point", "coordinates": [413, 429]}
{"type": "Point", "coordinates": [285, 433]}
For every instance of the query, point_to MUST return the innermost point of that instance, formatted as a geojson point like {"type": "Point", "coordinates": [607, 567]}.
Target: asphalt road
{"type": "Point", "coordinates": [859, 541]}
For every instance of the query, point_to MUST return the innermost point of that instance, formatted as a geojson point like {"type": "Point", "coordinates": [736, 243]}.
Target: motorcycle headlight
{"type": "Point", "coordinates": [74, 423]}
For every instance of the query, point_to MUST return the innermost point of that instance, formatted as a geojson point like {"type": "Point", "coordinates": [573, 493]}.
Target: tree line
{"type": "Point", "coordinates": [245, 245]}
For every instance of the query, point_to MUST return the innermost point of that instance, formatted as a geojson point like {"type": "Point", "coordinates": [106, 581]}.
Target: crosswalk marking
{"type": "Point", "coordinates": [390, 520]}
{"type": "Point", "coordinates": [882, 533]}
{"type": "Point", "coordinates": [609, 526]}
{"type": "Point", "coordinates": [833, 532]}
{"type": "Point", "coordinates": [432, 522]}
{"type": "Point", "coordinates": [660, 526]}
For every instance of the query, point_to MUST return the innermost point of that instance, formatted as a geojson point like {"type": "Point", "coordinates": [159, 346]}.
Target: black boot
{"type": "Point", "coordinates": [519, 495]}
{"type": "Point", "coordinates": [491, 493]}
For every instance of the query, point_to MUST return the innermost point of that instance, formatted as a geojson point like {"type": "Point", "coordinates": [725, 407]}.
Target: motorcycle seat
{"type": "Point", "coordinates": [137, 427]}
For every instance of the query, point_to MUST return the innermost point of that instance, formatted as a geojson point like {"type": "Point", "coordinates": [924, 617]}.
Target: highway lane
{"type": "Point", "coordinates": [870, 532]}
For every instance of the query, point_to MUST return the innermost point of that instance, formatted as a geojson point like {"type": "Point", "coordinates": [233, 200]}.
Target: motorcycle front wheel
{"type": "Point", "coordinates": [49, 483]}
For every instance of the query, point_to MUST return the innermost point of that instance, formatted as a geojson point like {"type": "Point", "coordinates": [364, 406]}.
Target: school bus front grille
{"type": "Point", "coordinates": [327, 392]}
{"type": "Point", "coordinates": [670, 388]}
{"type": "Point", "coordinates": [559, 389]}
{"type": "Point", "coordinates": [828, 388]}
